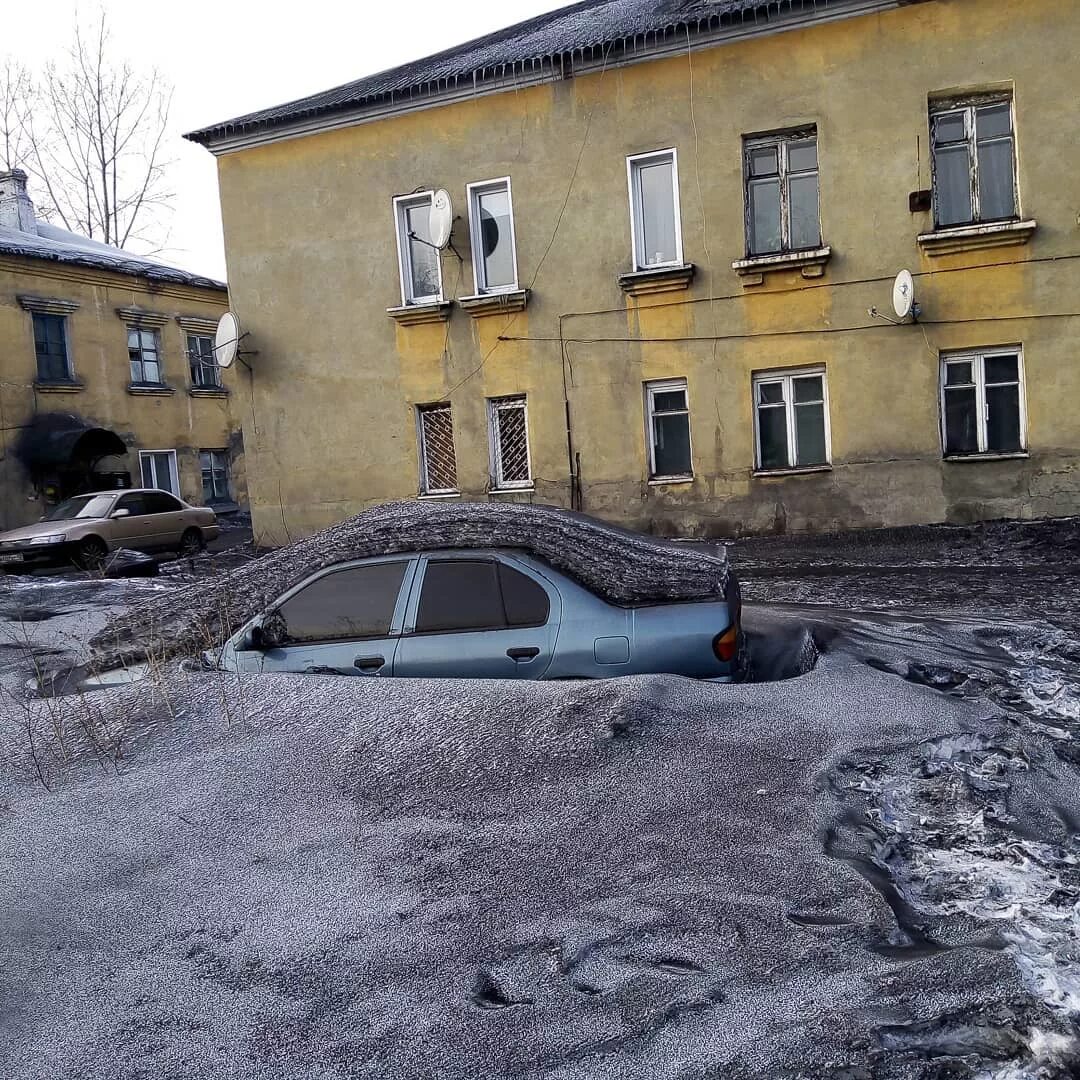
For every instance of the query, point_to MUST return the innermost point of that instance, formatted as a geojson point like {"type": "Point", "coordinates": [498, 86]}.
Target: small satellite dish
{"type": "Point", "coordinates": [227, 339]}
{"type": "Point", "coordinates": [903, 294]}
{"type": "Point", "coordinates": [441, 218]}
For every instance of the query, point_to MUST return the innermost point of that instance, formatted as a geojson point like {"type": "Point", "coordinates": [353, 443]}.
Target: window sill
{"type": "Point", "coordinates": [208, 391]}
{"type": "Point", "coordinates": [495, 303]}
{"type": "Point", "coordinates": [805, 470]}
{"type": "Point", "coordinates": [150, 390]}
{"type": "Point", "coordinates": [416, 314]}
{"type": "Point", "coordinates": [951, 241]}
{"type": "Point", "coordinates": [659, 280]}
{"type": "Point", "coordinates": [59, 386]}
{"type": "Point", "coordinates": [1017, 455]}
{"type": "Point", "coordinates": [439, 495]}
{"type": "Point", "coordinates": [668, 481]}
{"type": "Point", "coordinates": [512, 490]}
{"type": "Point", "coordinates": [811, 262]}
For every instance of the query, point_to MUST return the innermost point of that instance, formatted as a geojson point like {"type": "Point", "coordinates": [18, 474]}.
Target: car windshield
{"type": "Point", "coordinates": [82, 506]}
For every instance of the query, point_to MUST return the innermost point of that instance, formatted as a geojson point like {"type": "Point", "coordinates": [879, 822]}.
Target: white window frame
{"type": "Point", "coordinates": [786, 376]}
{"type": "Point", "coordinates": [401, 204]}
{"type": "Point", "coordinates": [476, 236]}
{"type": "Point", "coordinates": [661, 386]}
{"type": "Point", "coordinates": [421, 442]}
{"type": "Point", "coordinates": [978, 358]}
{"type": "Point", "coordinates": [634, 164]}
{"type": "Point", "coordinates": [174, 474]}
{"type": "Point", "coordinates": [969, 106]}
{"type": "Point", "coordinates": [495, 406]}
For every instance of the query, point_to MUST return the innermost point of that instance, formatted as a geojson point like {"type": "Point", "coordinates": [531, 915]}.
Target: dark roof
{"type": "Point", "coordinates": [584, 31]}
{"type": "Point", "coordinates": [59, 245]}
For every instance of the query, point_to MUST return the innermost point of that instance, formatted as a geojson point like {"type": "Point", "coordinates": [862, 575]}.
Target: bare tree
{"type": "Point", "coordinates": [95, 141]}
{"type": "Point", "coordinates": [16, 92]}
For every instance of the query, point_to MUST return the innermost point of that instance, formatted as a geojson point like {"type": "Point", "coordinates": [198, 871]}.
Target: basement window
{"type": "Point", "coordinates": [781, 180]}
{"type": "Point", "coordinates": [50, 346]}
{"type": "Point", "coordinates": [438, 462]}
{"type": "Point", "coordinates": [144, 349]}
{"type": "Point", "coordinates": [983, 409]}
{"type": "Point", "coordinates": [791, 420]}
{"type": "Point", "coordinates": [668, 430]}
{"type": "Point", "coordinates": [974, 161]}
{"type": "Point", "coordinates": [419, 263]}
{"type": "Point", "coordinates": [511, 465]}
{"type": "Point", "coordinates": [491, 227]}
{"type": "Point", "coordinates": [655, 226]}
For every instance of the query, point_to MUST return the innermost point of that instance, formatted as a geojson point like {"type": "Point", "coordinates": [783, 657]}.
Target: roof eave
{"type": "Point", "coordinates": [234, 135]}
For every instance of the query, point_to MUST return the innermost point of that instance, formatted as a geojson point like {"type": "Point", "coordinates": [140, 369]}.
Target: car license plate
{"type": "Point", "coordinates": [14, 557]}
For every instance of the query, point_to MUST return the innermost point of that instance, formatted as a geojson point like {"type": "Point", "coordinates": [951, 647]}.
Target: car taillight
{"type": "Point", "coordinates": [726, 645]}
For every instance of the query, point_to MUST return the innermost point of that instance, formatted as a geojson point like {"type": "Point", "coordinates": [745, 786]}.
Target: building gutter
{"type": "Point", "coordinates": [548, 70]}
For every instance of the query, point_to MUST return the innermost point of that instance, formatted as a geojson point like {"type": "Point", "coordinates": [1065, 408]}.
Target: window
{"type": "Point", "coordinates": [159, 502]}
{"type": "Point", "coordinates": [50, 344]}
{"type": "Point", "coordinates": [655, 227]}
{"type": "Point", "coordinates": [134, 504]}
{"type": "Point", "coordinates": [510, 464]}
{"type": "Point", "coordinates": [491, 226]}
{"type": "Point", "coordinates": [438, 465]}
{"type": "Point", "coordinates": [159, 470]}
{"type": "Point", "coordinates": [203, 362]}
{"type": "Point", "coordinates": [418, 258]}
{"type": "Point", "coordinates": [982, 403]}
{"type": "Point", "coordinates": [214, 465]}
{"type": "Point", "coordinates": [668, 434]}
{"type": "Point", "coordinates": [974, 161]}
{"type": "Point", "coordinates": [143, 349]}
{"type": "Point", "coordinates": [357, 602]}
{"type": "Point", "coordinates": [791, 419]}
{"type": "Point", "coordinates": [478, 594]}
{"type": "Point", "coordinates": [781, 174]}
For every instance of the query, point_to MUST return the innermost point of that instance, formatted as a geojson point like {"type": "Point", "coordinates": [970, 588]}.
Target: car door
{"type": "Point", "coordinates": [165, 522]}
{"type": "Point", "coordinates": [343, 621]}
{"type": "Point", "coordinates": [478, 616]}
{"type": "Point", "coordinates": [129, 531]}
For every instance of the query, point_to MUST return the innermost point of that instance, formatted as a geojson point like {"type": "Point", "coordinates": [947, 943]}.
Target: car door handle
{"type": "Point", "coordinates": [526, 652]}
{"type": "Point", "coordinates": [369, 663]}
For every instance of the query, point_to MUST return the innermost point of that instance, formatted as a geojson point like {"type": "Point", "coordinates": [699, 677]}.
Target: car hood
{"type": "Point", "coordinates": [43, 528]}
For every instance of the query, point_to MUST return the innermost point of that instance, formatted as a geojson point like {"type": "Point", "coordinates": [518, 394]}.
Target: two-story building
{"type": "Point", "coordinates": [108, 376]}
{"type": "Point", "coordinates": [667, 297]}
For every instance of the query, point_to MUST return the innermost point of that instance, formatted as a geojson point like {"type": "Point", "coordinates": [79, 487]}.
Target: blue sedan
{"type": "Point", "coordinates": [493, 614]}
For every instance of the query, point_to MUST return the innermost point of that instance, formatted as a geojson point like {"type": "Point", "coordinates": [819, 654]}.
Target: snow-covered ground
{"type": "Point", "coordinates": [868, 870]}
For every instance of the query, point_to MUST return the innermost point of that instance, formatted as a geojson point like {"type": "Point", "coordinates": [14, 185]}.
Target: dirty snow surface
{"type": "Point", "coordinates": [865, 870]}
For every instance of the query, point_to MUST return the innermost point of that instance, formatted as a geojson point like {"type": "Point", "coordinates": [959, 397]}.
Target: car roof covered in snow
{"type": "Point", "coordinates": [621, 567]}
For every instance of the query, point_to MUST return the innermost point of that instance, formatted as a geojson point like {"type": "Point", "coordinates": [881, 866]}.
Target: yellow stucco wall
{"type": "Point", "coordinates": [97, 347]}
{"type": "Point", "coordinates": [310, 239]}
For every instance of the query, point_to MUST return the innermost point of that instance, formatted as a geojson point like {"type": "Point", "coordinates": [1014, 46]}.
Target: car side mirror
{"type": "Point", "coordinates": [120, 513]}
{"type": "Point", "coordinates": [271, 633]}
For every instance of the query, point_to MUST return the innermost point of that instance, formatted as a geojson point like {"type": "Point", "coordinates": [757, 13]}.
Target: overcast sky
{"type": "Point", "coordinates": [227, 57]}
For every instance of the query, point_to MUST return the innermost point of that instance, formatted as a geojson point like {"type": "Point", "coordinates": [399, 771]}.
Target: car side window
{"type": "Point", "coordinates": [133, 504]}
{"type": "Point", "coordinates": [357, 602]}
{"type": "Point", "coordinates": [467, 594]}
{"type": "Point", "coordinates": [160, 502]}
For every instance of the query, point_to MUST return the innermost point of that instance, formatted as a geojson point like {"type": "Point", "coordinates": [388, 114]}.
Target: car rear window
{"type": "Point", "coordinates": [464, 594]}
{"type": "Point", "coordinates": [354, 603]}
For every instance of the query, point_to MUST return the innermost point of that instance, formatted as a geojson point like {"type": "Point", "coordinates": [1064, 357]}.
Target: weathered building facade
{"type": "Point", "coordinates": [107, 372]}
{"type": "Point", "coordinates": [667, 297]}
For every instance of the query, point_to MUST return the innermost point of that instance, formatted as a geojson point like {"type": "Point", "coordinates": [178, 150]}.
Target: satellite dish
{"type": "Point", "coordinates": [903, 294]}
{"type": "Point", "coordinates": [227, 339]}
{"type": "Point", "coordinates": [441, 218]}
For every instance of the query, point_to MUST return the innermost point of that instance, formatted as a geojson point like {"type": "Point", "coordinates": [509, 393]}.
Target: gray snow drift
{"type": "Point", "coordinates": [622, 566]}
{"type": "Point", "coordinates": [642, 879]}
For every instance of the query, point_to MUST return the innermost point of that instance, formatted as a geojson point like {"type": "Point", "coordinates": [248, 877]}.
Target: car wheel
{"type": "Point", "coordinates": [90, 553]}
{"type": "Point", "coordinates": [191, 543]}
